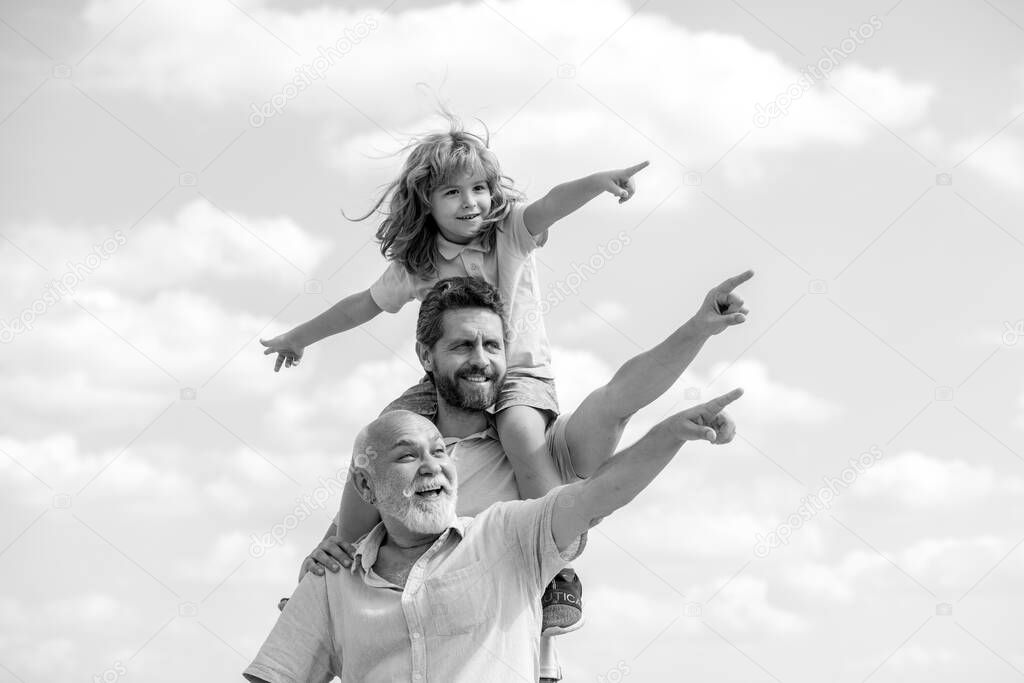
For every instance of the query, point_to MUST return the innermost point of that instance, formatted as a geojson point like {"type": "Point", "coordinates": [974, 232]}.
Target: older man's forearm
{"type": "Point", "coordinates": [615, 483]}
{"type": "Point", "coordinates": [627, 473]}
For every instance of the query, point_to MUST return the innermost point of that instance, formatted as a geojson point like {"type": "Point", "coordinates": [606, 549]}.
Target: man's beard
{"type": "Point", "coordinates": [474, 397]}
{"type": "Point", "coordinates": [417, 514]}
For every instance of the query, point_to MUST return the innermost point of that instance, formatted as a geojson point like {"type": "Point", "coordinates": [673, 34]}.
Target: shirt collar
{"type": "Point", "coordinates": [450, 250]}
{"type": "Point", "coordinates": [488, 432]}
{"type": "Point", "coordinates": [365, 554]}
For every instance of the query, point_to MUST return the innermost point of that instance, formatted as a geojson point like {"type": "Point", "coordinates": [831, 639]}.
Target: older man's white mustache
{"type": "Point", "coordinates": [427, 486]}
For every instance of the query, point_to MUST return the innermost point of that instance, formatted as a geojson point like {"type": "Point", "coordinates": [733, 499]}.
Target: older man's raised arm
{"type": "Point", "coordinates": [627, 473]}
{"type": "Point", "coordinates": [593, 431]}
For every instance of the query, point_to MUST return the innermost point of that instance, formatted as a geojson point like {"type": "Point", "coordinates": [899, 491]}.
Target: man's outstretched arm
{"type": "Point", "coordinates": [594, 429]}
{"type": "Point", "coordinates": [624, 475]}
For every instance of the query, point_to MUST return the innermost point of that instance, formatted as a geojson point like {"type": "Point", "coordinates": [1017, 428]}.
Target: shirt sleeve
{"type": "Point", "coordinates": [515, 233]}
{"type": "Point", "coordinates": [530, 522]}
{"type": "Point", "coordinates": [394, 288]}
{"type": "Point", "coordinates": [558, 448]}
{"type": "Point", "coordinates": [301, 645]}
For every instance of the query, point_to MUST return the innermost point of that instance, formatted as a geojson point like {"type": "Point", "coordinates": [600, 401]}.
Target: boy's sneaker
{"type": "Point", "coordinates": [562, 604]}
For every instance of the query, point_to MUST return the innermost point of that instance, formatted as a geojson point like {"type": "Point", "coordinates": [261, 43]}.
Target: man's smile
{"type": "Point", "coordinates": [434, 489]}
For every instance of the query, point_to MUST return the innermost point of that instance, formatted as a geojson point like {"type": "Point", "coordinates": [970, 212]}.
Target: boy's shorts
{"type": "Point", "coordinates": [518, 389]}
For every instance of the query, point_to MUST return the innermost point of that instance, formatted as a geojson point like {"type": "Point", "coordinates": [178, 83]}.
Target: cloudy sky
{"type": "Point", "coordinates": [170, 195]}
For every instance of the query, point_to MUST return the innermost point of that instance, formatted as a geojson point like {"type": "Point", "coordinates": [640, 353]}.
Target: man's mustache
{"type": "Point", "coordinates": [486, 373]}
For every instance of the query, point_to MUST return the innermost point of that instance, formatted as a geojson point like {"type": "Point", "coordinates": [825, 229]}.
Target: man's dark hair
{"type": "Point", "coordinates": [453, 294]}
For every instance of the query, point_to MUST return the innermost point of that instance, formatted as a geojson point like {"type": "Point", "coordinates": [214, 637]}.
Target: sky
{"type": "Point", "coordinates": [170, 195]}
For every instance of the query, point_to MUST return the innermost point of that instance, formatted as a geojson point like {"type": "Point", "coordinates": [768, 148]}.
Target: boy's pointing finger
{"type": "Point", "coordinates": [632, 170]}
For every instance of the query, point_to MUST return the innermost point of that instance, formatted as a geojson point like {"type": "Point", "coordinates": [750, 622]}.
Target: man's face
{"type": "Point", "coordinates": [460, 207]}
{"type": "Point", "coordinates": [414, 481]}
{"type": "Point", "coordinates": [468, 361]}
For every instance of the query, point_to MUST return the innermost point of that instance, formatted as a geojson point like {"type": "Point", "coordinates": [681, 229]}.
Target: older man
{"type": "Point", "coordinates": [434, 597]}
{"type": "Point", "coordinates": [460, 334]}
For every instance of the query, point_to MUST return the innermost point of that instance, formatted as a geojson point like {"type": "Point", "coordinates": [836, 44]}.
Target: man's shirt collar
{"type": "Point", "coordinates": [365, 554]}
{"type": "Point", "coordinates": [488, 432]}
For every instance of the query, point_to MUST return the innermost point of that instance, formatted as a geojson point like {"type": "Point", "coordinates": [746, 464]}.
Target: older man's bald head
{"type": "Point", "coordinates": [401, 467]}
{"type": "Point", "coordinates": [389, 431]}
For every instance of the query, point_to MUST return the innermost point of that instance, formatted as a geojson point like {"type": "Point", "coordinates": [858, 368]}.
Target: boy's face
{"type": "Point", "coordinates": [459, 207]}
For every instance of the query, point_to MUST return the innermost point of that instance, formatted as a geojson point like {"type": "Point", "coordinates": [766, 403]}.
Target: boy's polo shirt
{"type": "Point", "coordinates": [510, 267]}
{"type": "Point", "coordinates": [470, 609]}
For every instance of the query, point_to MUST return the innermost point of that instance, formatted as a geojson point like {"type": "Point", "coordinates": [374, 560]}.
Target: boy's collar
{"type": "Point", "coordinates": [450, 250]}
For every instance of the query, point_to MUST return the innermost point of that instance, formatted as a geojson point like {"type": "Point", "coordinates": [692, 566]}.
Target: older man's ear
{"type": "Point", "coordinates": [361, 481]}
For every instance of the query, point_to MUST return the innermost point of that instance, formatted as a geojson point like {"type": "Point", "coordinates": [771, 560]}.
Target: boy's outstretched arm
{"type": "Point", "coordinates": [594, 429]}
{"type": "Point", "coordinates": [565, 198]}
{"type": "Point", "coordinates": [623, 476]}
{"type": "Point", "coordinates": [352, 311]}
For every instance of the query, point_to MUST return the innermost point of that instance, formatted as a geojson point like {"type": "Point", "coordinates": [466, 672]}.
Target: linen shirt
{"type": "Point", "coordinates": [510, 267]}
{"type": "Point", "coordinates": [469, 611]}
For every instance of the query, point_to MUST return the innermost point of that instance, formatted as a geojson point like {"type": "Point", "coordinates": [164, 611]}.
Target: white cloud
{"type": "Point", "coordinates": [577, 373]}
{"type": "Point", "coordinates": [948, 565]}
{"type": "Point", "coordinates": [331, 411]}
{"type": "Point", "coordinates": [884, 94]}
{"type": "Point", "coordinates": [198, 245]}
{"type": "Point", "coordinates": [769, 400]}
{"type": "Point", "coordinates": [59, 461]}
{"type": "Point", "coordinates": [589, 324]}
{"type": "Point", "coordinates": [160, 481]}
{"type": "Point", "coordinates": [174, 53]}
{"type": "Point", "coordinates": [743, 606]}
{"type": "Point", "coordinates": [954, 563]}
{"type": "Point", "coordinates": [814, 581]}
{"type": "Point", "coordinates": [33, 641]}
{"type": "Point", "coordinates": [92, 608]}
{"type": "Point", "coordinates": [1000, 160]}
{"type": "Point", "coordinates": [618, 607]}
{"type": "Point", "coordinates": [914, 657]}
{"type": "Point", "coordinates": [704, 532]}
{"type": "Point", "coordinates": [122, 360]}
{"type": "Point", "coordinates": [765, 403]}
{"type": "Point", "coordinates": [922, 481]}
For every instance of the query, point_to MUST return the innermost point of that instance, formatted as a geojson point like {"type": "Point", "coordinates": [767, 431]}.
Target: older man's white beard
{"type": "Point", "coordinates": [417, 514]}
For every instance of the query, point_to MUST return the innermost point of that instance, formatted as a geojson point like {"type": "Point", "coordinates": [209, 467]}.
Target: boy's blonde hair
{"type": "Point", "coordinates": [408, 232]}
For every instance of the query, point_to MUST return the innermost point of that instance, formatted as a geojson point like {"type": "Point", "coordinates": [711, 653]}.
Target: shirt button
{"type": "Point", "coordinates": [416, 636]}
{"type": "Point", "coordinates": [417, 676]}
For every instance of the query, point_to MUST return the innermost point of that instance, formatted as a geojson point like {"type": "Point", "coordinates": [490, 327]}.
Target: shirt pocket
{"type": "Point", "coordinates": [458, 599]}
